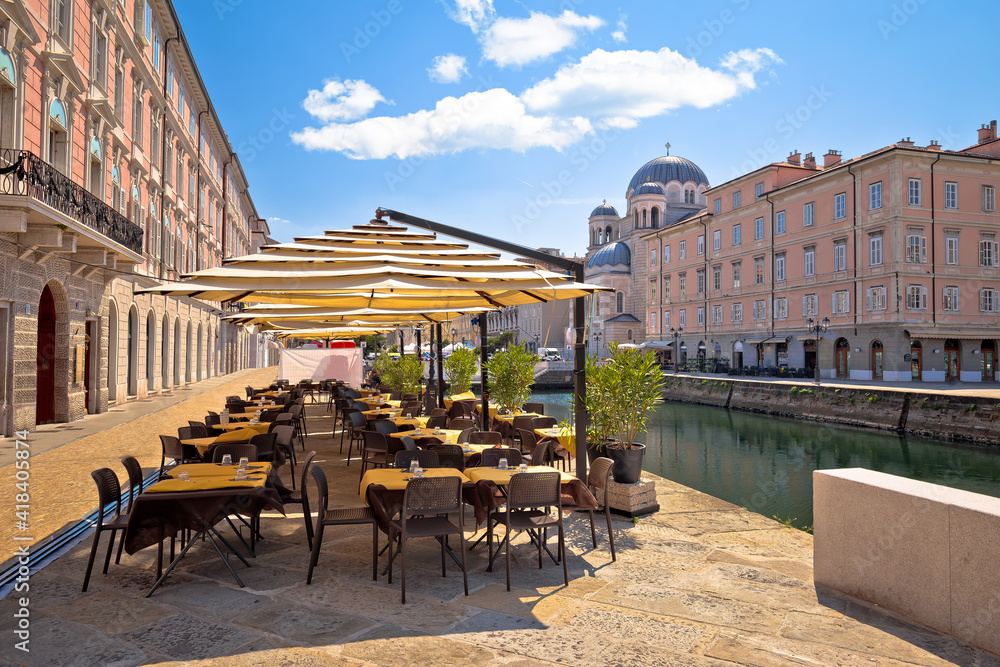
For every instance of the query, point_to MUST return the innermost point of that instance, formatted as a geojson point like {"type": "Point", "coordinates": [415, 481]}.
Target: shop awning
{"type": "Point", "coordinates": [960, 334]}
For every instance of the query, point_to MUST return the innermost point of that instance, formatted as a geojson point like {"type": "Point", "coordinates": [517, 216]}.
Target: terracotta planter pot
{"type": "Point", "coordinates": [628, 463]}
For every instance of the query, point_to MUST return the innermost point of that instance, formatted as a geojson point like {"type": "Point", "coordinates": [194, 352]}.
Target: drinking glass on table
{"type": "Point", "coordinates": [227, 460]}
{"type": "Point", "coordinates": [184, 477]}
{"type": "Point", "coordinates": [502, 464]}
{"type": "Point", "coordinates": [244, 462]}
{"type": "Point", "coordinates": [241, 474]}
{"type": "Point", "coordinates": [523, 467]}
{"type": "Point", "coordinates": [413, 465]}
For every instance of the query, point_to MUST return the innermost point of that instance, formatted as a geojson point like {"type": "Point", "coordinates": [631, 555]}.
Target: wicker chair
{"type": "Point", "coordinates": [236, 450]}
{"type": "Point", "coordinates": [385, 427]}
{"type": "Point", "coordinates": [542, 455]}
{"type": "Point", "coordinates": [425, 458]}
{"type": "Point", "coordinates": [108, 492]}
{"type": "Point", "coordinates": [408, 444]}
{"type": "Point", "coordinates": [491, 457]}
{"type": "Point", "coordinates": [538, 408]}
{"type": "Point", "coordinates": [544, 422]}
{"type": "Point", "coordinates": [172, 448]}
{"type": "Point", "coordinates": [525, 494]}
{"type": "Point", "coordinates": [462, 423]}
{"type": "Point", "coordinates": [520, 422]}
{"type": "Point", "coordinates": [441, 421]}
{"type": "Point", "coordinates": [265, 444]}
{"type": "Point", "coordinates": [299, 497]}
{"type": "Point", "coordinates": [359, 424]}
{"type": "Point", "coordinates": [337, 517]}
{"type": "Point", "coordinates": [597, 480]}
{"type": "Point", "coordinates": [437, 412]}
{"type": "Point", "coordinates": [198, 430]}
{"type": "Point", "coordinates": [427, 503]}
{"type": "Point", "coordinates": [449, 456]}
{"type": "Point", "coordinates": [284, 440]}
{"type": "Point", "coordinates": [375, 453]}
{"type": "Point", "coordinates": [486, 438]}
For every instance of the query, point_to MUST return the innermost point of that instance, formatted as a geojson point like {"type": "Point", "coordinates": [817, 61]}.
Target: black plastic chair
{"type": "Point", "coordinates": [337, 517]}
{"type": "Point", "coordinates": [491, 457]}
{"type": "Point", "coordinates": [108, 492]}
{"type": "Point", "coordinates": [485, 438]}
{"type": "Point", "coordinates": [425, 458]}
{"type": "Point", "coordinates": [300, 497]}
{"type": "Point", "coordinates": [408, 443]}
{"type": "Point", "coordinates": [538, 408]}
{"type": "Point", "coordinates": [236, 450]}
{"type": "Point", "coordinates": [172, 448]}
{"type": "Point", "coordinates": [597, 480]}
{"type": "Point", "coordinates": [449, 456]}
{"type": "Point", "coordinates": [375, 453]}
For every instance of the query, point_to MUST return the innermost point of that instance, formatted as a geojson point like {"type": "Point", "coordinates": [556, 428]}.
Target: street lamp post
{"type": "Point", "coordinates": [597, 335]}
{"type": "Point", "coordinates": [676, 333]}
{"type": "Point", "coordinates": [818, 327]}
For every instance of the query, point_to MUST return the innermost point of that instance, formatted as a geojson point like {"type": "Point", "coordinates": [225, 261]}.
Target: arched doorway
{"type": "Point", "coordinates": [738, 354]}
{"type": "Point", "coordinates": [150, 352]}
{"type": "Point", "coordinates": [201, 354]}
{"type": "Point", "coordinates": [809, 356]}
{"type": "Point", "coordinates": [916, 361]}
{"type": "Point", "coordinates": [112, 351]}
{"type": "Point", "coordinates": [133, 353]}
{"type": "Point", "coordinates": [701, 352]}
{"type": "Point", "coordinates": [952, 360]}
{"type": "Point", "coordinates": [843, 349]}
{"type": "Point", "coordinates": [165, 352]}
{"type": "Point", "coordinates": [877, 360]}
{"type": "Point", "coordinates": [187, 356]}
{"type": "Point", "coordinates": [988, 360]}
{"type": "Point", "coordinates": [45, 360]}
{"type": "Point", "coordinates": [177, 352]}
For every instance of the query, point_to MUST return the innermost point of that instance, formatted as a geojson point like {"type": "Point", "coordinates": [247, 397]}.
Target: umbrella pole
{"type": "Point", "coordinates": [580, 383]}
{"type": "Point", "coordinates": [402, 346]}
{"type": "Point", "coordinates": [440, 367]}
{"type": "Point", "coordinates": [482, 371]}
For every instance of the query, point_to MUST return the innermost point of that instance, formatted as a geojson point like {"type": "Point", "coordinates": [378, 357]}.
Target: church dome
{"type": "Point", "coordinates": [648, 188]}
{"type": "Point", "coordinates": [610, 255]}
{"type": "Point", "coordinates": [668, 168]}
{"type": "Point", "coordinates": [604, 209]}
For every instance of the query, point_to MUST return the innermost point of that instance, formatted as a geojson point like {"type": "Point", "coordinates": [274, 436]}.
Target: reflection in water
{"type": "Point", "coordinates": [765, 463]}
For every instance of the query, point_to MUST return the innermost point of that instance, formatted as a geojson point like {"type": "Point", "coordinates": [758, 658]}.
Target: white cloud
{"type": "Point", "coordinates": [513, 41]}
{"type": "Point", "coordinates": [448, 68]}
{"type": "Point", "coordinates": [473, 13]}
{"type": "Point", "coordinates": [622, 87]}
{"type": "Point", "coordinates": [493, 119]}
{"type": "Point", "coordinates": [342, 101]}
{"type": "Point", "coordinates": [279, 220]}
{"type": "Point", "coordinates": [619, 34]}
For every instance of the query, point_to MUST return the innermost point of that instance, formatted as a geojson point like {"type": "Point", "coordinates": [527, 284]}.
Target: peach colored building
{"type": "Point", "coordinates": [115, 172]}
{"type": "Point", "coordinates": [897, 249]}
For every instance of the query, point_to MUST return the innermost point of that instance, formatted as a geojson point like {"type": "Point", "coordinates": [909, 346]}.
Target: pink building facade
{"type": "Point", "coordinates": [115, 173]}
{"type": "Point", "coordinates": [894, 252]}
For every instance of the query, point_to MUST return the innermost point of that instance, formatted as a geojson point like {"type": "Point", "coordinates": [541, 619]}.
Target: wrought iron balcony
{"type": "Point", "coordinates": [24, 173]}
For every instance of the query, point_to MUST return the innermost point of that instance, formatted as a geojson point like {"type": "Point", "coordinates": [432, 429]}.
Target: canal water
{"type": "Point", "coordinates": [765, 463]}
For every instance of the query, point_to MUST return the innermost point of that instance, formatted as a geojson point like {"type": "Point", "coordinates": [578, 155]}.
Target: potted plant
{"type": "Point", "coordinates": [403, 374]}
{"type": "Point", "coordinates": [621, 394]}
{"type": "Point", "coordinates": [459, 368]}
{"type": "Point", "coordinates": [511, 373]}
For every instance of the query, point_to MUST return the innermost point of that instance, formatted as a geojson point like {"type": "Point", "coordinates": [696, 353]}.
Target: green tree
{"type": "Point", "coordinates": [459, 368]}
{"type": "Point", "coordinates": [511, 373]}
{"type": "Point", "coordinates": [621, 394]}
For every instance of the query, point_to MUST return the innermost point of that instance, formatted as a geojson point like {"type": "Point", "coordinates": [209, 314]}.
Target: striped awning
{"type": "Point", "coordinates": [960, 334]}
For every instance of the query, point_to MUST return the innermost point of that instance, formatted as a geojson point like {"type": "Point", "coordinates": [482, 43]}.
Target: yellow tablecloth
{"type": "Point", "coordinates": [385, 412]}
{"type": "Point", "coordinates": [565, 437]}
{"type": "Point", "coordinates": [467, 396]}
{"type": "Point", "coordinates": [241, 435]}
{"type": "Point", "coordinates": [446, 436]}
{"type": "Point", "coordinates": [208, 476]}
{"type": "Point", "coordinates": [411, 421]}
{"type": "Point", "coordinates": [509, 419]}
{"type": "Point", "coordinates": [259, 428]}
{"type": "Point", "coordinates": [502, 477]}
{"type": "Point", "coordinates": [395, 479]}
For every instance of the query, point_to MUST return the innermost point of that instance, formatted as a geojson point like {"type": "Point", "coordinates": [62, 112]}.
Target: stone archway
{"type": "Point", "coordinates": [165, 352]}
{"type": "Point", "coordinates": [132, 352]}
{"type": "Point", "coordinates": [45, 360]}
{"type": "Point", "coordinates": [112, 351]}
{"type": "Point", "coordinates": [843, 358]}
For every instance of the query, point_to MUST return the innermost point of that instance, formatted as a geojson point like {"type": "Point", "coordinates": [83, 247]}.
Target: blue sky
{"type": "Point", "coordinates": [516, 119]}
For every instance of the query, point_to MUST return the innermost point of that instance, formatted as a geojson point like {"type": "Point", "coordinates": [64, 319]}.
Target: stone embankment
{"type": "Point", "coordinates": [954, 417]}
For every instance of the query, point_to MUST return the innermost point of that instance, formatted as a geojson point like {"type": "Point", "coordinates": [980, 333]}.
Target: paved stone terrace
{"type": "Point", "coordinates": [701, 582]}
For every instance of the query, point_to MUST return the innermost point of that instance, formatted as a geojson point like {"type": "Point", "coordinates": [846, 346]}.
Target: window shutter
{"type": "Point", "coordinates": [805, 310]}
{"type": "Point", "coordinates": [833, 303]}
{"type": "Point", "coordinates": [996, 301]}
{"type": "Point", "coordinates": [996, 248]}
{"type": "Point", "coordinates": [847, 302]}
{"type": "Point", "coordinates": [923, 298]}
{"type": "Point", "coordinates": [868, 299]}
{"type": "Point", "coordinates": [923, 249]}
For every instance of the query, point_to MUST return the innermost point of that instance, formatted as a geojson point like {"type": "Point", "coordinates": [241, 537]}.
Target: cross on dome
{"type": "Point", "coordinates": [668, 147]}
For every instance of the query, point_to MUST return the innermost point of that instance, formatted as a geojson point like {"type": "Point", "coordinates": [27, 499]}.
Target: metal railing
{"type": "Point", "coordinates": [24, 173]}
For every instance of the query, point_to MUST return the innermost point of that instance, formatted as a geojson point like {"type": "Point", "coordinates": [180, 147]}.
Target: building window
{"type": "Point", "coordinates": [950, 194]}
{"type": "Point", "coordinates": [949, 299]}
{"type": "Point", "coordinates": [716, 314]}
{"type": "Point", "coordinates": [987, 250]}
{"type": "Point", "coordinates": [689, 196]}
{"type": "Point", "coordinates": [951, 250]}
{"type": "Point", "coordinates": [700, 274]}
{"type": "Point", "coordinates": [700, 315]}
{"type": "Point", "coordinates": [781, 308]}
{"type": "Point", "coordinates": [758, 228]}
{"type": "Point", "coordinates": [737, 275]}
{"type": "Point", "coordinates": [666, 254]}
{"type": "Point", "coordinates": [682, 317]}
{"type": "Point", "coordinates": [875, 298]}
{"type": "Point", "coordinates": [737, 235]}
{"type": "Point", "coordinates": [717, 239]}
{"type": "Point", "coordinates": [840, 206]}
{"type": "Point", "coordinates": [666, 288]}
{"type": "Point", "coordinates": [62, 20]}
{"type": "Point", "coordinates": [137, 114]}
{"type": "Point", "coordinates": [736, 199]}
{"type": "Point", "coordinates": [666, 320]}
{"type": "Point", "coordinates": [989, 300]}
{"type": "Point", "coordinates": [779, 267]}
{"type": "Point", "coordinates": [737, 312]}
{"type": "Point", "coordinates": [717, 278]}
{"type": "Point", "coordinates": [99, 56]}
{"type": "Point", "coordinates": [809, 262]}
{"type": "Point", "coordinates": [701, 245]}
{"type": "Point", "coordinates": [620, 302]}
{"type": "Point", "coordinates": [989, 198]}
{"type": "Point", "coordinates": [154, 138]}
{"type": "Point", "coordinates": [717, 206]}
{"type": "Point", "coordinates": [810, 304]}
{"type": "Point", "coordinates": [758, 271]}
{"type": "Point", "coordinates": [916, 297]}
{"type": "Point", "coordinates": [779, 222]}
{"type": "Point", "coordinates": [807, 214]}
{"type": "Point", "coordinates": [681, 250]}
{"type": "Point", "coordinates": [875, 195]}
{"type": "Point", "coordinates": [913, 191]}
{"type": "Point", "coordinates": [758, 191]}
{"type": "Point", "coordinates": [652, 257]}
{"type": "Point", "coordinates": [682, 286]}
{"type": "Point", "coordinates": [652, 291]}
{"type": "Point", "coordinates": [760, 310]}
{"type": "Point", "coordinates": [875, 250]}
{"type": "Point", "coordinates": [916, 247]}
{"type": "Point", "coordinates": [841, 302]}
{"type": "Point", "coordinates": [58, 155]}
{"type": "Point", "coordinates": [840, 256]}
{"type": "Point", "coordinates": [157, 47]}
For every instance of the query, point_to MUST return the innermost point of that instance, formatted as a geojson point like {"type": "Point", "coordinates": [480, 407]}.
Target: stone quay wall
{"type": "Point", "coordinates": [961, 418]}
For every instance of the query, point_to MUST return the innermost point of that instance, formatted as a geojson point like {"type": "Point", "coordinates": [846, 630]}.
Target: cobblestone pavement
{"type": "Point", "coordinates": [701, 582]}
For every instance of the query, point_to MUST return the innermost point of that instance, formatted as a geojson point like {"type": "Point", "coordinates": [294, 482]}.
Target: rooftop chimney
{"type": "Point", "coordinates": [794, 157]}
{"type": "Point", "coordinates": [831, 159]}
{"type": "Point", "coordinates": [934, 146]}
{"type": "Point", "coordinates": [988, 132]}
{"type": "Point", "coordinates": [905, 143]}
{"type": "Point", "coordinates": [809, 161]}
